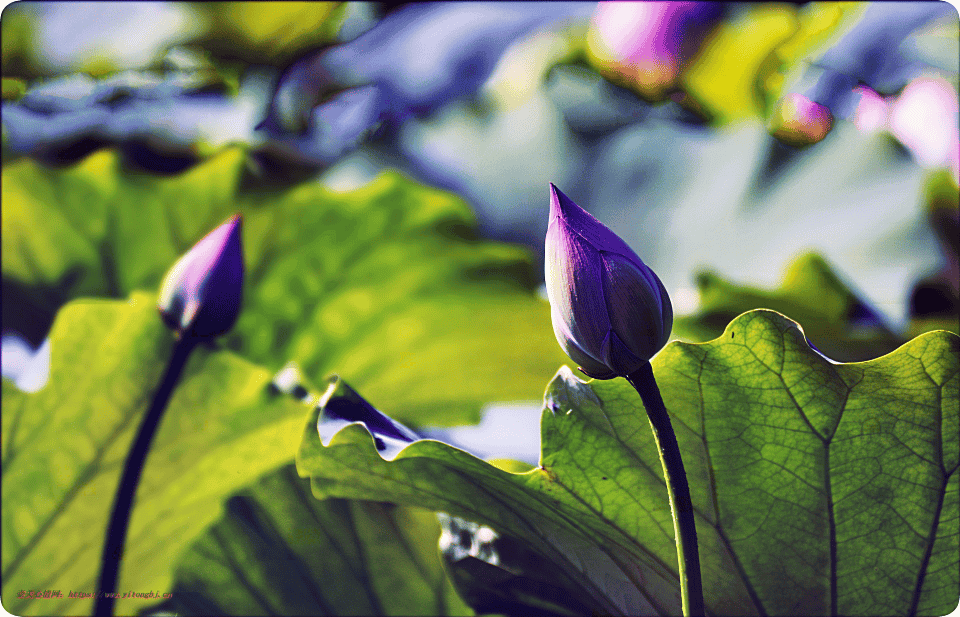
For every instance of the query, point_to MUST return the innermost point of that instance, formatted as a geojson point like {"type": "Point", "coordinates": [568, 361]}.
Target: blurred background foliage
{"type": "Point", "coordinates": [801, 157]}
{"type": "Point", "coordinates": [248, 32]}
{"type": "Point", "coordinates": [492, 101]}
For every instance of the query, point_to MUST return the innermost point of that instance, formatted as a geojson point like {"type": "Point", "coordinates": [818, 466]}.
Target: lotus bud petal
{"type": "Point", "coordinates": [610, 312]}
{"type": "Point", "coordinates": [201, 294]}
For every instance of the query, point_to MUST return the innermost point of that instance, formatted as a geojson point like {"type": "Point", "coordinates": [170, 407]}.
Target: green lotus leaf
{"type": "Point", "coordinates": [819, 488]}
{"type": "Point", "coordinates": [64, 448]}
{"type": "Point", "coordinates": [387, 284]}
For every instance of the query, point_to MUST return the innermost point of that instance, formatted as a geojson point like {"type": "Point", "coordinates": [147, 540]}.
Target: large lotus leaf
{"type": "Point", "coordinates": [278, 551]}
{"type": "Point", "coordinates": [386, 284]}
{"type": "Point", "coordinates": [834, 319]}
{"type": "Point", "coordinates": [64, 448]}
{"type": "Point", "coordinates": [819, 488]}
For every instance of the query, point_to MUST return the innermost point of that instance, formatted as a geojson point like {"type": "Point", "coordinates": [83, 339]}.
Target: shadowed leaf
{"type": "Point", "coordinates": [278, 551]}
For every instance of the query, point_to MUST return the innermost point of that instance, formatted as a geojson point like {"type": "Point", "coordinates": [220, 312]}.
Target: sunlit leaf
{"type": "Point", "coordinates": [819, 488]}
{"type": "Point", "coordinates": [65, 445]}
{"type": "Point", "coordinates": [722, 77]}
{"type": "Point", "coordinates": [388, 285]}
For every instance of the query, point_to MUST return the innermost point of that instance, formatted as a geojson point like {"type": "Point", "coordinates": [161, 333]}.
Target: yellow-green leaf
{"type": "Point", "coordinates": [819, 488]}
{"type": "Point", "coordinates": [388, 284]}
{"type": "Point", "coordinates": [64, 448]}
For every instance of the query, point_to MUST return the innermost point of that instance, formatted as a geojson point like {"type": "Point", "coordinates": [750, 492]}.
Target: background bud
{"type": "Point", "coordinates": [201, 294]}
{"type": "Point", "coordinates": [799, 121]}
{"type": "Point", "coordinates": [647, 45]}
{"type": "Point", "coordinates": [610, 312]}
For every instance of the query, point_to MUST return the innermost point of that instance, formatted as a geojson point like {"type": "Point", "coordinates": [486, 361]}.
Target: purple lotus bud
{"type": "Point", "coordinates": [610, 312]}
{"type": "Point", "coordinates": [200, 295]}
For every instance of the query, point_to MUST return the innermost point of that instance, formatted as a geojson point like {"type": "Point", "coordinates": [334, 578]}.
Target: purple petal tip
{"type": "Point", "coordinates": [560, 204]}
{"type": "Point", "coordinates": [202, 291]}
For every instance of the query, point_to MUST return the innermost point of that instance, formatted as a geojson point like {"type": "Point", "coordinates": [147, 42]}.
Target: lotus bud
{"type": "Point", "coordinates": [610, 312]}
{"type": "Point", "coordinates": [201, 294]}
{"type": "Point", "coordinates": [799, 121]}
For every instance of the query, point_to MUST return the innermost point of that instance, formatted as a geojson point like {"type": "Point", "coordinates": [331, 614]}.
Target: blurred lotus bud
{"type": "Point", "coordinates": [610, 312]}
{"type": "Point", "coordinates": [646, 45]}
{"type": "Point", "coordinates": [799, 121]}
{"type": "Point", "coordinates": [201, 294]}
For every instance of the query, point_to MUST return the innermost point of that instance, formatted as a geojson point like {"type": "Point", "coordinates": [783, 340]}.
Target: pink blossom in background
{"type": "Point", "coordinates": [646, 44]}
{"type": "Point", "coordinates": [881, 51]}
{"type": "Point", "coordinates": [872, 110]}
{"type": "Point", "coordinates": [924, 119]}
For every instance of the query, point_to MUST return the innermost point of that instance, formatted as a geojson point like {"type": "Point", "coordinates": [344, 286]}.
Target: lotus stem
{"type": "Point", "coordinates": [681, 506]}
{"type": "Point", "coordinates": [113, 545]}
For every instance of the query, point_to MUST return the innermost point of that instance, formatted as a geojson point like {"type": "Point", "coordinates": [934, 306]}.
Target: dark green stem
{"type": "Point", "coordinates": [684, 526]}
{"type": "Point", "coordinates": [132, 470]}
